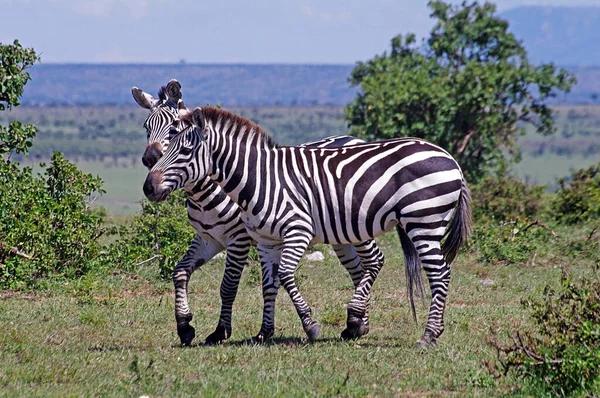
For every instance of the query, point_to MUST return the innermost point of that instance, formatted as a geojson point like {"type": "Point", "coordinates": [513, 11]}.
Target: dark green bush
{"type": "Point", "coordinates": [510, 242]}
{"type": "Point", "coordinates": [162, 233]}
{"type": "Point", "coordinates": [562, 356]}
{"type": "Point", "coordinates": [47, 224]}
{"type": "Point", "coordinates": [506, 199]}
{"type": "Point", "coordinates": [578, 197]}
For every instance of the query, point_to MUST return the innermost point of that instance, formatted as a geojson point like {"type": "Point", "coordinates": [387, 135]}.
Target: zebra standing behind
{"type": "Point", "coordinates": [294, 196]}
{"type": "Point", "coordinates": [216, 220]}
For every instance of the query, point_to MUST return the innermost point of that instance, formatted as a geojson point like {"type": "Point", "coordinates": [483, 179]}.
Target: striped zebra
{"type": "Point", "coordinates": [294, 196]}
{"type": "Point", "coordinates": [216, 220]}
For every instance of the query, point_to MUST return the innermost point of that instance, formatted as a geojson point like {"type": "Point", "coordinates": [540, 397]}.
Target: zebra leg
{"type": "Point", "coordinates": [438, 274]}
{"type": "Point", "coordinates": [370, 255]}
{"type": "Point", "coordinates": [269, 261]}
{"type": "Point", "coordinates": [293, 249]}
{"type": "Point", "coordinates": [198, 254]}
{"type": "Point", "coordinates": [372, 261]}
{"type": "Point", "coordinates": [237, 257]}
{"type": "Point", "coordinates": [349, 258]}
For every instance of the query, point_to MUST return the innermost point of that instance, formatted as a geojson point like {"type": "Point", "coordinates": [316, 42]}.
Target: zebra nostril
{"type": "Point", "coordinates": [145, 162]}
{"type": "Point", "coordinates": [148, 187]}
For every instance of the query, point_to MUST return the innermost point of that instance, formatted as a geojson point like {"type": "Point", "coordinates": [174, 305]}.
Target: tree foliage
{"type": "Point", "coordinates": [14, 62]}
{"type": "Point", "coordinates": [578, 197]}
{"type": "Point", "coordinates": [46, 223]}
{"type": "Point", "coordinates": [465, 89]}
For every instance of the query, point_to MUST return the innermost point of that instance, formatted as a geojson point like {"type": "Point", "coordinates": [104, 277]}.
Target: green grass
{"type": "Point", "coordinates": [115, 335]}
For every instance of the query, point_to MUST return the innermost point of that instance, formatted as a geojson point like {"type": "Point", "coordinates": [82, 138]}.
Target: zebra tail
{"type": "Point", "coordinates": [460, 225]}
{"type": "Point", "coordinates": [414, 281]}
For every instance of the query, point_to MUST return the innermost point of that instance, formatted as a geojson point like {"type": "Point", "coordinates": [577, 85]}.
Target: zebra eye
{"type": "Point", "coordinates": [176, 123]}
{"type": "Point", "coordinates": [185, 151]}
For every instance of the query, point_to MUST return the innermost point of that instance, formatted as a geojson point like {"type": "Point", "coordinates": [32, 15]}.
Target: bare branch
{"type": "Point", "coordinates": [148, 260]}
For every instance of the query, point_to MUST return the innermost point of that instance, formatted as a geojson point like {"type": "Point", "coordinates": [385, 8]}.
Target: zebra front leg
{"type": "Point", "coordinates": [198, 254]}
{"type": "Point", "coordinates": [293, 249]}
{"type": "Point", "coordinates": [237, 257]}
{"type": "Point", "coordinates": [269, 261]}
{"type": "Point", "coordinates": [372, 260]}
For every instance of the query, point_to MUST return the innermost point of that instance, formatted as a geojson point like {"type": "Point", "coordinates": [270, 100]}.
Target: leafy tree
{"type": "Point", "coordinates": [14, 62]}
{"type": "Point", "coordinates": [46, 223]}
{"type": "Point", "coordinates": [465, 89]}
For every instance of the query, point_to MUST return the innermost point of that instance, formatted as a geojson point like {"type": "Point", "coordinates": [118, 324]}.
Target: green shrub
{"type": "Point", "coordinates": [506, 199]}
{"type": "Point", "coordinates": [47, 224]}
{"type": "Point", "coordinates": [509, 243]}
{"type": "Point", "coordinates": [578, 198]}
{"type": "Point", "coordinates": [162, 233]}
{"type": "Point", "coordinates": [562, 356]}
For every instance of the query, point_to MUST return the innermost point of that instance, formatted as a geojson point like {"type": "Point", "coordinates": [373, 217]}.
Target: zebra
{"type": "Point", "coordinates": [216, 220]}
{"type": "Point", "coordinates": [293, 196]}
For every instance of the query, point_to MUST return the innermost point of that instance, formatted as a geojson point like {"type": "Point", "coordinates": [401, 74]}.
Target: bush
{"type": "Point", "coordinates": [563, 356]}
{"type": "Point", "coordinates": [161, 233]}
{"type": "Point", "coordinates": [578, 198]}
{"type": "Point", "coordinates": [509, 243]}
{"type": "Point", "coordinates": [506, 199]}
{"type": "Point", "coordinates": [47, 224]}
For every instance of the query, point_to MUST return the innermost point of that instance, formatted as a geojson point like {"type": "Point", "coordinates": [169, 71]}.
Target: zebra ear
{"type": "Point", "coordinates": [143, 99]}
{"type": "Point", "coordinates": [198, 119]}
{"type": "Point", "coordinates": [174, 90]}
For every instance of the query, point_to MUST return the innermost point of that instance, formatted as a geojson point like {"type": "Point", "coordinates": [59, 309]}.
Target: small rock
{"type": "Point", "coordinates": [315, 256]}
{"type": "Point", "coordinates": [487, 282]}
{"type": "Point", "coordinates": [220, 255]}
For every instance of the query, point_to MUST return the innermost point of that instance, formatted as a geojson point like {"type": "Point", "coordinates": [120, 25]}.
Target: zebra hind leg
{"type": "Point", "coordinates": [269, 261]}
{"type": "Point", "coordinates": [348, 256]}
{"type": "Point", "coordinates": [372, 260]}
{"type": "Point", "coordinates": [438, 275]}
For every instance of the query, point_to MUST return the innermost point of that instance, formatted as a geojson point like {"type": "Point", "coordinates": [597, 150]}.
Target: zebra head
{"type": "Point", "coordinates": [184, 163]}
{"type": "Point", "coordinates": [164, 120]}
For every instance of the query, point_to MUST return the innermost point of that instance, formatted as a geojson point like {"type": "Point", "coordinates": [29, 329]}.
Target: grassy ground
{"type": "Point", "coordinates": [115, 335]}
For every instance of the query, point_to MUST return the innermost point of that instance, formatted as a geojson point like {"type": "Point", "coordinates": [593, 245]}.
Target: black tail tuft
{"type": "Point", "coordinates": [460, 226]}
{"type": "Point", "coordinates": [414, 281]}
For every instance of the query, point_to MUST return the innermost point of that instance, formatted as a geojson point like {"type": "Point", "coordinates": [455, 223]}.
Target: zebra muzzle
{"type": "Point", "coordinates": [152, 188]}
{"type": "Point", "coordinates": [152, 154]}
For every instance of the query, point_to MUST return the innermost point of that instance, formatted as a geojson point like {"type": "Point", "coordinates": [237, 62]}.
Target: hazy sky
{"type": "Point", "coordinates": [226, 31]}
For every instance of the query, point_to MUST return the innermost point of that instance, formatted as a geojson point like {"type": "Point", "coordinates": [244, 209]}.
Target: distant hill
{"type": "Point", "coordinates": [563, 35]}
{"type": "Point", "coordinates": [229, 85]}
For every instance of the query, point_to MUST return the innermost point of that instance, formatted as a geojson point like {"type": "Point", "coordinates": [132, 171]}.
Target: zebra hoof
{"type": "Point", "coordinates": [313, 333]}
{"type": "Point", "coordinates": [427, 341]}
{"type": "Point", "coordinates": [262, 337]}
{"type": "Point", "coordinates": [186, 334]}
{"type": "Point", "coordinates": [218, 336]}
{"type": "Point", "coordinates": [354, 330]}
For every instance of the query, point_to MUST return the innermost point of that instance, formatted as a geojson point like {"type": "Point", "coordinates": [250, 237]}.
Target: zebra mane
{"type": "Point", "coordinates": [213, 115]}
{"type": "Point", "coordinates": [162, 93]}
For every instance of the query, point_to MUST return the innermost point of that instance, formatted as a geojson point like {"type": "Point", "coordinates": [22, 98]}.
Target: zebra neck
{"type": "Point", "coordinates": [243, 169]}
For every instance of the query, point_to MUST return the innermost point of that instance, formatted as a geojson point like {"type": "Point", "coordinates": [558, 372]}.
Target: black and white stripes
{"type": "Point", "coordinates": [216, 219]}
{"type": "Point", "coordinates": [294, 196]}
